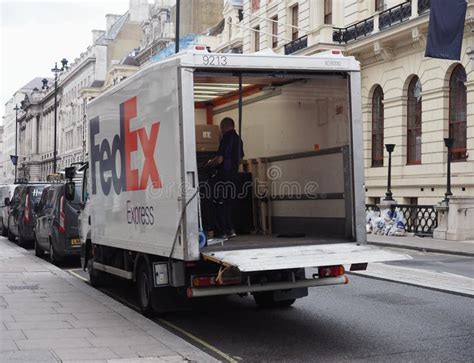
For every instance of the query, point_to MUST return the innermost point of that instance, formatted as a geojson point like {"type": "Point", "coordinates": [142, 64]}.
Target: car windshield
{"type": "Point", "coordinates": [77, 194]}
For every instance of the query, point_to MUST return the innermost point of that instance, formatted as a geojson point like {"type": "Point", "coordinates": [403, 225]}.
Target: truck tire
{"type": "Point", "coordinates": [145, 289]}
{"type": "Point", "coordinates": [38, 251]}
{"type": "Point", "coordinates": [96, 277]}
{"type": "Point", "coordinates": [266, 300]}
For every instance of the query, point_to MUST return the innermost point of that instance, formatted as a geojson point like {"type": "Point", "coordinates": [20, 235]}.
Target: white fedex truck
{"type": "Point", "coordinates": [300, 121]}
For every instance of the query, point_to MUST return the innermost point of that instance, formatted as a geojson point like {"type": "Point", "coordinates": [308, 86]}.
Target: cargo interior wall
{"type": "Point", "coordinates": [300, 130]}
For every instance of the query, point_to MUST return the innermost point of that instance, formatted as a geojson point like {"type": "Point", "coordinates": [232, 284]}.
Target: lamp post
{"type": "Point", "coordinates": [16, 108]}
{"type": "Point", "coordinates": [176, 40]}
{"type": "Point", "coordinates": [388, 194]}
{"type": "Point", "coordinates": [448, 142]}
{"type": "Point", "coordinates": [56, 72]}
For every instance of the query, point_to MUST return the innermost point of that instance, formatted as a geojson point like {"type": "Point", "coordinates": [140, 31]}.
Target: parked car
{"type": "Point", "coordinates": [6, 194]}
{"type": "Point", "coordinates": [22, 218]}
{"type": "Point", "coordinates": [57, 223]}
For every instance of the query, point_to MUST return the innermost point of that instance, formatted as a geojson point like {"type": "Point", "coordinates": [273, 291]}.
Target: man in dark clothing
{"type": "Point", "coordinates": [227, 160]}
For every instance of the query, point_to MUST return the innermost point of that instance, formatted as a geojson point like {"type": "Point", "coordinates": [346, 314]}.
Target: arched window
{"type": "Point", "coordinates": [377, 127]}
{"type": "Point", "coordinates": [457, 113]}
{"type": "Point", "coordinates": [414, 122]}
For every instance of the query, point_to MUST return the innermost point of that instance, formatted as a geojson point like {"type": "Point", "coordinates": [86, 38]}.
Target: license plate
{"type": "Point", "coordinates": [75, 241]}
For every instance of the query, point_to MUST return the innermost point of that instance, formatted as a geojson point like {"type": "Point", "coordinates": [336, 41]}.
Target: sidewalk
{"type": "Point", "coordinates": [50, 316]}
{"type": "Point", "coordinates": [428, 244]}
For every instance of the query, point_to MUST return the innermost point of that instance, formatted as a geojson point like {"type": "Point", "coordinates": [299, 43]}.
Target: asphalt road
{"type": "Point", "coordinates": [366, 320]}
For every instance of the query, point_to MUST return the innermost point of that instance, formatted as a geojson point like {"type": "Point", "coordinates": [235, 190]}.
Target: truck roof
{"type": "Point", "coordinates": [198, 57]}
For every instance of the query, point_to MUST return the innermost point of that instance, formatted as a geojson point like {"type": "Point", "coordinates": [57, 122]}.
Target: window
{"type": "Point", "coordinates": [256, 39]}
{"type": "Point", "coordinates": [414, 122]}
{"type": "Point", "coordinates": [377, 127]}
{"type": "Point", "coordinates": [274, 32]}
{"type": "Point", "coordinates": [229, 22]}
{"type": "Point", "coordinates": [457, 113]}
{"type": "Point", "coordinates": [255, 5]}
{"type": "Point", "coordinates": [327, 11]}
{"type": "Point", "coordinates": [294, 22]}
{"type": "Point", "coordinates": [379, 5]}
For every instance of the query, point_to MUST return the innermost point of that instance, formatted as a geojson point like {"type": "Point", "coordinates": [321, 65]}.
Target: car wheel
{"type": "Point", "coordinates": [266, 300]}
{"type": "Point", "coordinates": [38, 251]}
{"type": "Point", "coordinates": [11, 236]}
{"type": "Point", "coordinates": [53, 256]}
{"type": "Point", "coordinates": [144, 289]}
{"type": "Point", "coordinates": [22, 242]}
{"type": "Point", "coordinates": [3, 230]}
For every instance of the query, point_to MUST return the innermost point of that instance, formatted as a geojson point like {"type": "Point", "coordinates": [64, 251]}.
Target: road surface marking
{"type": "Point", "coordinates": [220, 353]}
{"type": "Point", "coordinates": [77, 275]}
{"type": "Point", "coordinates": [227, 357]}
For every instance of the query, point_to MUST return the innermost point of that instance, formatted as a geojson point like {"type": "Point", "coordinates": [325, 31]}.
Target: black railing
{"type": "Point", "coordinates": [395, 15]}
{"type": "Point", "coordinates": [353, 32]}
{"type": "Point", "coordinates": [423, 5]}
{"type": "Point", "coordinates": [420, 219]}
{"type": "Point", "coordinates": [296, 45]}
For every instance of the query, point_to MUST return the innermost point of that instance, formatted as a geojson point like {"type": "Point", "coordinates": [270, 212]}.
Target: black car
{"type": "Point", "coordinates": [57, 223]}
{"type": "Point", "coordinates": [22, 218]}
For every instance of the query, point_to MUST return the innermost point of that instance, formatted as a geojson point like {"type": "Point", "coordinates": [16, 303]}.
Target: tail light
{"type": "Point", "coordinates": [62, 216]}
{"type": "Point", "coordinates": [204, 281]}
{"type": "Point", "coordinates": [26, 217]}
{"type": "Point", "coordinates": [331, 271]}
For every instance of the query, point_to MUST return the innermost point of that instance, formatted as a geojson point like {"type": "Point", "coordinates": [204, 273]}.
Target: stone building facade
{"type": "Point", "coordinates": [408, 100]}
{"type": "Point", "coordinates": [103, 64]}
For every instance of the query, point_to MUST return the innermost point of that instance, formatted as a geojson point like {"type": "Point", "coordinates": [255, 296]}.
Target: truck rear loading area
{"type": "Point", "coordinates": [299, 208]}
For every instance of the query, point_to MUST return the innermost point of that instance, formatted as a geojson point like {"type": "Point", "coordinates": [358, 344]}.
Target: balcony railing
{"type": "Point", "coordinates": [384, 20]}
{"type": "Point", "coordinates": [395, 15]}
{"type": "Point", "coordinates": [423, 5]}
{"type": "Point", "coordinates": [353, 32]}
{"type": "Point", "coordinates": [296, 45]}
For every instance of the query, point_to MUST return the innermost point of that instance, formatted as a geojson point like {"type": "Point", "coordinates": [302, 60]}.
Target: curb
{"type": "Point", "coordinates": [422, 249]}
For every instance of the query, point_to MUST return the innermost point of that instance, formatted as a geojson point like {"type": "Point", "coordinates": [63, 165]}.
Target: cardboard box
{"type": "Point", "coordinates": [207, 138]}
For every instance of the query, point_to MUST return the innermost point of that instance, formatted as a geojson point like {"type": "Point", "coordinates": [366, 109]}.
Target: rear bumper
{"type": "Point", "coordinates": [272, 286]}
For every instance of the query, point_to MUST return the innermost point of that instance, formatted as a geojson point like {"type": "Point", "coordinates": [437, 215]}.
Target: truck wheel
{"type": "Point", "coordinates": [11, 236]}
{"type": "Point", "coordinates": [265, 300]}
{"type": "Point", "coordinates": [96, 277]}
{"type": "Point", "coordinates": [38, 251]}
{"type": "Point", "coordinates": [145, 289]}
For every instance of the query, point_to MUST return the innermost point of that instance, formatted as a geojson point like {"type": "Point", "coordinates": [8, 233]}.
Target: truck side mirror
{"type": "Point", "coordinates": [6, 201]}
{"type": "Point", "coordinates": [70, 190]}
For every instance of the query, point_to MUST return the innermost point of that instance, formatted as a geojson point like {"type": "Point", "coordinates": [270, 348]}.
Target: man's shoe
{"type": "Point", "coordinates": [231, 234]}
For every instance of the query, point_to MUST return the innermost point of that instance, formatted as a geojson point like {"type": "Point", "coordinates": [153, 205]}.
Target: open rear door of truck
{"type": "Point", "coordinates": [280, 258]}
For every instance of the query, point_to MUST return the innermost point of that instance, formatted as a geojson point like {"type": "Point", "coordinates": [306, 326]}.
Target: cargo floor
{"type": "Point", "coordinates": [251, 241]}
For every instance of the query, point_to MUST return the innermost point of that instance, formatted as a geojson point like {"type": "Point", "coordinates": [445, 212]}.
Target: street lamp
{"type": "Point", "coordinates": [16, 108]}
{"type": "Point", "coordinates": [448, 142]}
{"type": "Point", "coordinates": [56, 72]}
{"type": "Point", "coordinates": [176, 36]}
{"type": "Point", "coordinates": [388, 194]}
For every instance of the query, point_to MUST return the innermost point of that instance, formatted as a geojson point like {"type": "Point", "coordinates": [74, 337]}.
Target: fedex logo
{"type": "Point", "coordinates": [105, 154]}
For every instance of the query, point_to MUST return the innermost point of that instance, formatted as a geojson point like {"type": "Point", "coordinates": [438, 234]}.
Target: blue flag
{"type": "Point", "coordinates": [14, 159]}
{"type": "Point", "coordinates": [446, 29]}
